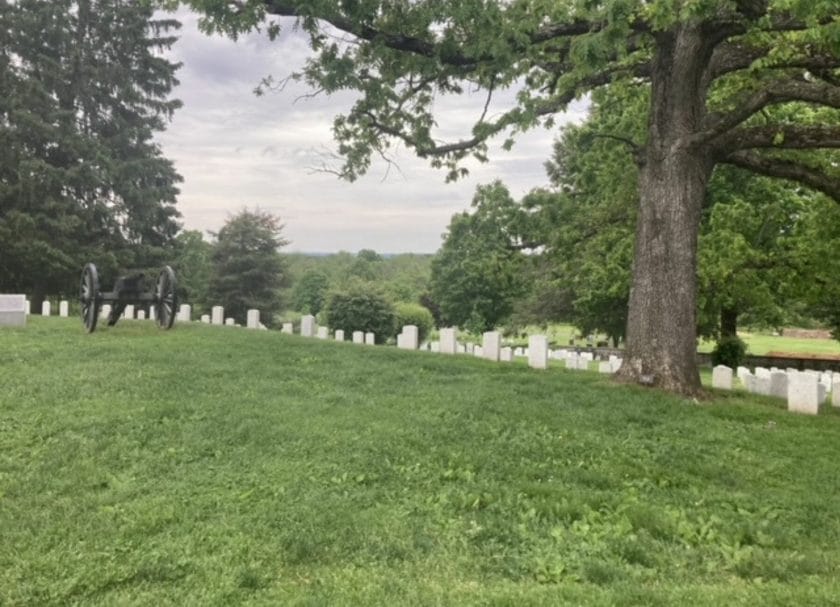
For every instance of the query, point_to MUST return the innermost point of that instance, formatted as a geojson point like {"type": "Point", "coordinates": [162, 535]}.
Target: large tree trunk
{"type": "Point", "coordinates": [661, 322]}
{"type": "Point", "coordinates": [728, 322]}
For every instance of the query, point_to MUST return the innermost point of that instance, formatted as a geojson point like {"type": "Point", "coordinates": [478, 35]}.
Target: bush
{"type": "Point", "coordinates": [729, 351]}
{"type": "Point", "coordinates": [360, 310]}
{"type": "Point", "coordinates": [414, 314]}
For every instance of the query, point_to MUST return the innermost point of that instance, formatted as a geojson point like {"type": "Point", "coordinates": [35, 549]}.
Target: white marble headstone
{"type": "Point", "coordinates": [803, 393]}
{"type": "Point", "coordinates": [217, 315]}
{"type": "Point", "coordinates": [185, 313]}
{"type": "Point", "coordinates": [252, 320]}
{"type": "Point", "coordinates": [13, 310]}
{"type": "Point", "coordinates": [307, 325]}
{"type": "Point", "coordinates": [491, 342]}
{"type": "Point", "coordinates": [448, 341]}
{"type": "Point", "coordinates": [410, 337]}
{"type": "Point", "coordinates": [538, 352]}
{"type": "Point", "coordinates": [778, 384]}
{"type": "Point", "coordinates": [722, 377]}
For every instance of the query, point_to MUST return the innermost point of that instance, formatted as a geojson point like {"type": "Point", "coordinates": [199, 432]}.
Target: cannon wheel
{"type": "Point", "coordinates": [89, 297]}
{"type": "Point", "coordinates": [165, 298]}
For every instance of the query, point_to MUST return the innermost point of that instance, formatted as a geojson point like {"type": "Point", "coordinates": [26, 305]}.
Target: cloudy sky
{"type": "Point", "coordinates": [235, 149]}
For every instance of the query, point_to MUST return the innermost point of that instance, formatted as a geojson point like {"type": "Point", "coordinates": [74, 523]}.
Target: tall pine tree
{"type": "Point", "coordinates": [85, 87]}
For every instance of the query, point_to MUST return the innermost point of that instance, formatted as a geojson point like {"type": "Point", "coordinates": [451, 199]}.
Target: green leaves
{"type": "Point", "coordinates": [77, 126]}
{"type": "Point", "coordinates": [477, 273]}
{"type": "Point", "coordinates": [248, 270]}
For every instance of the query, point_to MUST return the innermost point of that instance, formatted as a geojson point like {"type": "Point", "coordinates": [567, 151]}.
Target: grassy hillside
{"type": "Point", "coordinates": [218, 466]}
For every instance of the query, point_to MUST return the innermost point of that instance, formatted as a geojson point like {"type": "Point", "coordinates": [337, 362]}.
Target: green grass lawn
{"type": "Point", "coordinates": [757, 343]}
{"type": "Point", "coordinates": [219, 466]}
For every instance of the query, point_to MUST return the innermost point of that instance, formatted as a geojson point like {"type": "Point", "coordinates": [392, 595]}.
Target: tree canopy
{"type": "Point", "coordinates": [477, 274]}
{"type": "Point", "coordinates": [749, 83]}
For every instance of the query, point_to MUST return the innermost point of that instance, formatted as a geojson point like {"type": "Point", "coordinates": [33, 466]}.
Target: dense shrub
{"type": "Point", "coordinates": [729, 351]}
{"type": "Point", "coordinates": [414, 314]}
{"type": "Point", "coordinates": [360, 310]}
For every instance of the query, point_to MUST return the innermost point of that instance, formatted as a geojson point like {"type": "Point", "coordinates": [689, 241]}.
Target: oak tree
{"type": "Point", "coordinates": [712, 67]}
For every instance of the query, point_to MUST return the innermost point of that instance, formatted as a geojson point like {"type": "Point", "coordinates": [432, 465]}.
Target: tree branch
{"type": "Point", "coordinates": [542, 107]}
{"type": "Point", "coordinates": [786, 169]}
{"type": "Point", "coordinates": [791, 137]}
{"type": "Point", "coordinates": [398, 42]}
{"type": "Point", "coordinates": [448, 55]}
{"type": "Point", "coordinates": [734, 55]}
{"type": "Point", "coordinates": [635, 149]}
{"type": "Point", "coordinates": [819, 93]}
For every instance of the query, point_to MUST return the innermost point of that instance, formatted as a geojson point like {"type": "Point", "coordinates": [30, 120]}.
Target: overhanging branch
{"type": "Point", "coordinates": [798, 137]}
{"type": "Point", "coordinates": [447, 55]}
{"type": "Point", "coordinates": [786, 169]}
{"type": "Point", "coordinates": [734, 55]}
{"type": "Point", "coordinates": [819, 93]}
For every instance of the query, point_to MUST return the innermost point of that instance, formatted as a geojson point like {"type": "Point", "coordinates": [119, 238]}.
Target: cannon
{"type": "Point", "coordinates": [130, 289]}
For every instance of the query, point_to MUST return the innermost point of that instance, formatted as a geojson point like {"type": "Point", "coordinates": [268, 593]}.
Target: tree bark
{"type": "Point", "coordinates": [661, 323]}
{"type": "Point", "coordinates": [728, 322]}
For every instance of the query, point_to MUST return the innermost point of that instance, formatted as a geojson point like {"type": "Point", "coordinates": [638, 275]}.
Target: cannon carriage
{"type": "Point", "coordinates": [131, 289]}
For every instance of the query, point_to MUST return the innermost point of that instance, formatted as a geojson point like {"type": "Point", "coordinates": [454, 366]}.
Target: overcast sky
{"type": "Point", "coordinates": [235, 149]}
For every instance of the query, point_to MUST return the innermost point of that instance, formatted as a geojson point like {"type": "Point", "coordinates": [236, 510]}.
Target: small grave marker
{"type": "Point", "coordinates": [722, 377]}
{"type": "Point", "coordinates": [491, 342]}
{"type": "Point", "coordinates": [217, 315]}
{"type": "Point", "coordinates": [803, 394]}
{"type": "Point", "coordinates": [538, 352]}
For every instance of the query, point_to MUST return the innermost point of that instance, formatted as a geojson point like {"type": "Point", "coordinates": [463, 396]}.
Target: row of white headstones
{"type": "Point", "coordinates": [805, 390]}
{"type": "Point", "coordinates": [537, 352]}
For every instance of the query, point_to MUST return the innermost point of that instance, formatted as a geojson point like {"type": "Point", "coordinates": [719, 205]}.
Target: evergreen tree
{"type": "Point", "coordinates": [248, 269]}
{"type": "Point", "coordinates": [84, 89]}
